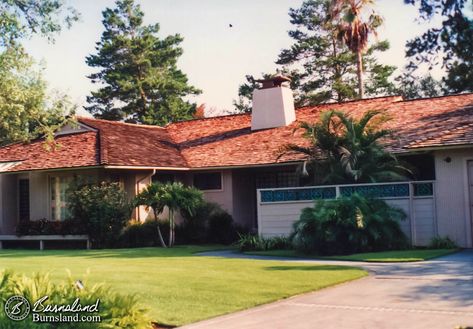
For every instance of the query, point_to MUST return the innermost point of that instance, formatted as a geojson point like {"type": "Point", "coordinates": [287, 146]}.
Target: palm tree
{"type": "Point", "coordinates": [345, 150]}
{"type": "Point", "coordinates": [172, 196]}
{"type": "Point", "coordinates": [177, 197]}
{"type": "Point", "coordinates": [151, 197]}
{"type": "Point", "coordinates": [354, 31]}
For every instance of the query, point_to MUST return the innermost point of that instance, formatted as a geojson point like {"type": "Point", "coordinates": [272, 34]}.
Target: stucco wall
{"type": "Point", "coordinates": [223, 197]}
{"type": "Point", "coordinates": [453, 215]}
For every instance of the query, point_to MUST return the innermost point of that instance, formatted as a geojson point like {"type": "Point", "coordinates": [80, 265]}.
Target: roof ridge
{"type": "Point", "coordinates": [437, 97]}
{"type": "Point", "coordinates": [79, 118]}
{"type": "Point", "coordinates": [399, 97]}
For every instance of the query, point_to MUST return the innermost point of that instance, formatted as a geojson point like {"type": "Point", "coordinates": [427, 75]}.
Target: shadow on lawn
{"type": "Point", "coordinates": [150, 252]}
{"type": "Point", "coordinates": [309, 268]}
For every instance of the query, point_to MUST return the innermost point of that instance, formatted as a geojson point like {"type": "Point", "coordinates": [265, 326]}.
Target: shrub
{"type": "Point", "coordinates": [138, 234]}
{"type": "Point", "coordinates": [103, 208]}
{"type": "Point", "coordinates": [116, 311]}
{"type": "Point", "coordinates": [439, 242]}
{"type": "Point", "coordinates": [50, 227]}
{"type": "Point", "coordinates": [252, 242]}
{"type": "Point", "coordinates": [208, 224]}
{"type": "Point", "coordinates": [349, 225]}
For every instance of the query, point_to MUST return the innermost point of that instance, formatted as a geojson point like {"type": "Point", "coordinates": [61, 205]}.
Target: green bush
{"type": "Point", "coordinates": [50, 227]}
{"type": "Point", "coordinates": [137, 234]}
{"type": "Point", "coordinates": [252, 242]}
{"type": "Point", "coordinates": [116, 311]}
{"type": "Point", "coordinates": [103, 208]}
{"type": "Point", "coordinates": [439, 242]}
{"type": "Point", "coordinates": [349, 225]}
{"type": "Point", "coordinates": [208, 224]}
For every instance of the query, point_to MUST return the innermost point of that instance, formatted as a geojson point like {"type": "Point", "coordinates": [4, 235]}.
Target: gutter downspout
{"type": "Point", "coordinates": [137, 190]}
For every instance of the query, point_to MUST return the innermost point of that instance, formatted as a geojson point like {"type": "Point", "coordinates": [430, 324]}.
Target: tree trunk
{"type": "Point", "coordinates": [171, 228]}
{"type": "Point", "coordinates": [359, 72]}
{"type": "Point", "coordinates": [161, 240]}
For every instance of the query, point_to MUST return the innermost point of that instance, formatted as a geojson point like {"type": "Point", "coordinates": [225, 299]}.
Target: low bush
{"type": "Point", "coordinates": [208, 224]}
{"type": "Point", "coordinates": [103, 208]}
{"type": "Point", "coordinates": [115, 310]}
{"type": "Point", "coordinates": [137, 234]}
{"type": "Point", "coordinates": [349, 225]}
{"type": "Point", "coordinates": [50, 227]}
{"type": "Point", "coordinates": [439, 242]}
{"type": "Point", "coordinates": [252, 242]}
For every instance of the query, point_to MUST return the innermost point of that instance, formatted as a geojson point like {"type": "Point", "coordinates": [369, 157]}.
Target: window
{"type": "Point", "coordinates": [277, 179]}
{"type": "Point", "coordinates": [59, 186]}
{"type": "Point", "coordinates": [163, 178]}
{"type": "Point", "coordinates": [208, 181]}
{"type": "Point", "coordinates": [24, 199]}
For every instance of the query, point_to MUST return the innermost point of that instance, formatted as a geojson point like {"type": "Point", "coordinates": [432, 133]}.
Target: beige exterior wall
{"type": "Point", "coordinates": [244, 198]}
{"type": "Point", "coordinates": [223, 197]}
{"type": "Point", "coordinates": [39, 195]}
{"type": "Point", "coordinates": [453, 214]}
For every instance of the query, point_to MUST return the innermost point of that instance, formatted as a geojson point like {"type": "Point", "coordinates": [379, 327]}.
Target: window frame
{"type": "Point", "coordinates": [222, 187]}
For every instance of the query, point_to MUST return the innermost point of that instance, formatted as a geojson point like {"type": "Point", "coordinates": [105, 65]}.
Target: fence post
{"type": "Point", "coordinates": [412, 219]}
{"type": "Point", "coordinates": [337, 192]}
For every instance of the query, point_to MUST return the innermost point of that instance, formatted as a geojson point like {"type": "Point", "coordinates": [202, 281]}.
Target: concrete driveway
{"type": "Point", "coordinates": [433, 294]}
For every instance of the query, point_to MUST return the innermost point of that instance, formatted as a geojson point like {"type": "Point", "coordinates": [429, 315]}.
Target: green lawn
{"type": "Point", "coordinates": [180, 287]}
{"type": "Point", "coordinates": [413, 255]}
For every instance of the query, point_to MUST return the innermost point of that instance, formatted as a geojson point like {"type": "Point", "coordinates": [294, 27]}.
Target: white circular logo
{"type": "Point", "coordinates": [17, 308]}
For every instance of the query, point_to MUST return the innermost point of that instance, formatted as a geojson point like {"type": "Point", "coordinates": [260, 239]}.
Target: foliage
{"type": "Point", "coordinates": [172, 282]}
{"type": "Point", "coordinates": [452, 41]}
{"type": "Point", "coordinates": [354, 29]}
{"type": "Point", "coordinates": [171, 196]}
{"type": "Point", "coordinates": [349, 225]}
{"type": "Point", "coordinates": [50, 227]}
{"type": "Point", "coordinates": [116, 311]}
{"type": "Point", "coordinates": [208, 224]}
{"type": "Point", "coordinates": [322, 68]}
{"type": "Point", "coordinates": [439, 242]}
{"type": "Point", "coordinates": [138, 234]}
{"type": "Point", "coordinates": [20, 19]}
{"type": "Point", "coordinates": [103, 208]}
{"type": "Point", "coordinates": [346, 150]}
{"type": "Point", "coordinates": [411, 87]}
{"type": "Point", "coordinates": [26, 112]}
{"type": "Point", "coordinates": [252, 242]}
{"type": "Point", "coordinates": [138, 71]}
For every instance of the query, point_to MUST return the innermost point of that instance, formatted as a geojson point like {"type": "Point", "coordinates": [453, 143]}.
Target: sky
{"type": "Point", "coordinates": [216, 57]}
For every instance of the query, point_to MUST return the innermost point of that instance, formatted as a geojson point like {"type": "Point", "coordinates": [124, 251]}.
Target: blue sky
{"type": "Point", "coordinates": [216, 58]}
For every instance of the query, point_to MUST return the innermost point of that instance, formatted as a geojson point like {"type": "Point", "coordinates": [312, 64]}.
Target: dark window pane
{"type": "Point", "coordinates": [208, 181]}
{"type": "Point", "coordinates": [163, 178]}
{"type": "Point", "coordinates": [24, 202]}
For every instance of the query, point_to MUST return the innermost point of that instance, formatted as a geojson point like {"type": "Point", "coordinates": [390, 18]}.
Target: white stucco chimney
{"type": "Point", "coordinates": [273, 104]}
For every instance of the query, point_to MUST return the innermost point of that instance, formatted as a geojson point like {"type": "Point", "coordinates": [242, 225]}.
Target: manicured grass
{"type": "Point", "coordinates": [413, 255]}
{"type": "Point", "coordinates": [178, 286]}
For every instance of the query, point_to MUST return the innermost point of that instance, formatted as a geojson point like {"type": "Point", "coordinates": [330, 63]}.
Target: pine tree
{"type": "Point", "coordinates": [139, 78]}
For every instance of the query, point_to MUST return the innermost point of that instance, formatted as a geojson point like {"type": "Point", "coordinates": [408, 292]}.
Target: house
{"type": "Point", "coordinates": [236, 161]}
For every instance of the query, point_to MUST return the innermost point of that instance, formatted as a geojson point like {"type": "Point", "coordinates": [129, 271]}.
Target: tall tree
{"type": "Point", "coordinates": [26, 111]}
{"type": "Point", "coordinates": [451, 43]}
{"type": "Point", "coordinates": [322, 68]}
{"type": "Point", "coordinates": [139, 78]}
{"type": "Point", "coordinates": [20, 19]}
{"type": "Point", "coordinates": [354, 26]}
{"type": "Point", "coordinates": [411, 87]}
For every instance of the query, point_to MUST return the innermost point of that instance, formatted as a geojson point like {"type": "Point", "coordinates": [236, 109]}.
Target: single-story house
{"type": "Point", "coordinates": [236, 161]}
